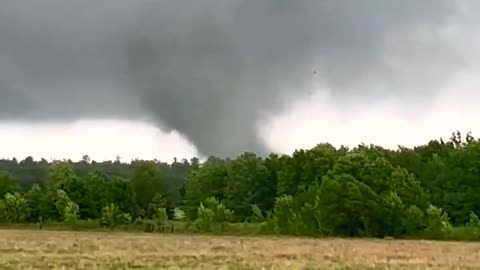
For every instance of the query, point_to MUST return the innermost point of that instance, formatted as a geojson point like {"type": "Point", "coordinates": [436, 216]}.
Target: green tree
{"type": "Point", "coordinates": [438, 222]}
{"type": "Point", "coordinates": [40, 204]}
{"type": "Point", "coordinates": [146, 181]}
{"type": "Point", "coordinates": [160, 217]}
{"type": "Point", "coordinates": [14, 207]}
{"type": "Point", "coordinates": [112, 216]}
{"type": "Point", "coordinates": [67, 209]}
{"type": "Point", "coordinates": [304, 167]}
{"type": "Point", "coordinates": [473, 221]}
{"type": "Point", "coordinates": [413, 220]}
{"type": "Point", "coordinates": [207, 181]}
{"type": "Point", "coordinates": [8, 184]}
{"type": "Point", "coordinates": [257, 215]}
{"type": "Point", "coordinates": [58, 173]}
{"type": "Point", "coordinates": [105, 189]}
{"type": "Point", "coordinates": [158, 201]}
{"type": "Point", "coordinates": [348, 207]}
{"type": "Point", "coordinates": [77, 190]}
{"type": "Point", "coordinates": [247, 183]}
{"type": "Point", "coordinates": [284, 219]}
{"type": "Point", "coordinates": [212, 215]}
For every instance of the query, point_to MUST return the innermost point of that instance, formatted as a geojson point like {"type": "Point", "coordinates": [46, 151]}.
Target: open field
{"type": "Point", "coordinates": [24, 249]}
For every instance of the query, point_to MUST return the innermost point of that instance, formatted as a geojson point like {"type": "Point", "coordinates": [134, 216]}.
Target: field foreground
{"type": "Point", "coordinates": [22, 249]}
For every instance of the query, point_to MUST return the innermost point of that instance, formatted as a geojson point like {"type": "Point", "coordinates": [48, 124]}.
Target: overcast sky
{"type": "Point", "coordinates": [164, 79]}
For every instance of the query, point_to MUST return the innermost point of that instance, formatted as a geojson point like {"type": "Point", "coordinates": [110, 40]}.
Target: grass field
{"type": "Point", "coordinates": [28, 249]}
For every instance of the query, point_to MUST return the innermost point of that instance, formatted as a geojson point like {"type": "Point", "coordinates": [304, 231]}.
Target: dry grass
{"type": "Point", "coordinates": [22, 249]}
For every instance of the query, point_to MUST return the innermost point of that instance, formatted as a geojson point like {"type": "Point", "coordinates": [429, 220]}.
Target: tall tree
{"type": "Point", "coordinates": [146, 182]}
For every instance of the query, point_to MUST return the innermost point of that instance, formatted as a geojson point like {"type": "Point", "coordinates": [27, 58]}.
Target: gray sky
{"type": "Point", "coordinates": [117, 77]}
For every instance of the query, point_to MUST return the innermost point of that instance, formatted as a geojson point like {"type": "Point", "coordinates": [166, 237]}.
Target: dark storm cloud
{"type": "Point", "coordinates": [209, 68]}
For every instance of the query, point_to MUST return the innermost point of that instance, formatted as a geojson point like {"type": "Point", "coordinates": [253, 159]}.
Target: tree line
{"type": "Point", "coordinates": [363, 191]}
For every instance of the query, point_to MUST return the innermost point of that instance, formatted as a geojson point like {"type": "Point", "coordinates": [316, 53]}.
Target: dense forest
{"type": "Point", "coordinates": [363, 191]}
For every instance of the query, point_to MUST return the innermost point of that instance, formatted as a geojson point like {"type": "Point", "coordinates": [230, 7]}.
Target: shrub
{"type": "Point", "coordinates": [212, 214]}
{"type": "Point", "coordinates": [14, 207]}
{"type": "Point", "coordinates": [413, 220]}
{"type": "Point", "coordinates": [71, 212]}
{"type": "Point", "coordinates": [474, 221]}
{"type": "Point", "coordinates": [160, 217]}
{"type": "Point", "coordinates": [284, 217]}
{"type": "Point", "coordinates": [257, 214]}
{"type": "Point", "coordinates": [438, 222]}
{"type": "Point", "coordinates": [112, 216]}
{"type": "Point", "coordinates": [68, 210]}
{"type": "Point", "coordinates": [179, 214]}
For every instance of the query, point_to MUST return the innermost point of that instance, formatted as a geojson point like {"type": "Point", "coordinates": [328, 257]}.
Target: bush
{"type": "Point", "coordinates": [474, 221]}
{"type": "Point", "coordinates": [310, 219]}
{"type": "Point", "coordinates": [112, 216]}
{"type": "Point", "coordinates": [413, 220]}
{"type": "Point", "coordinates": [284, 218]}
{"type": "Point", "coordinates": [179, 214]}
{"type": "Point", "coordinates": [69, 211]}
{"type": "Point", "coordinates": [297, 216]}
{"type": "Point", "coordinates": [3, 217]}
{"type": "Point", "coordinates": [438, 222]}
{"type": "Point", "coordinates": [14, 208]}
{"type": "Point", "coordinates": [158, 201]}
{"type": "Point", "coordinates": [160, 217]}
{"type": "Point", "coordinates": [257, 215]}
{"type": "Point", "coordinates": [211, 215]}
